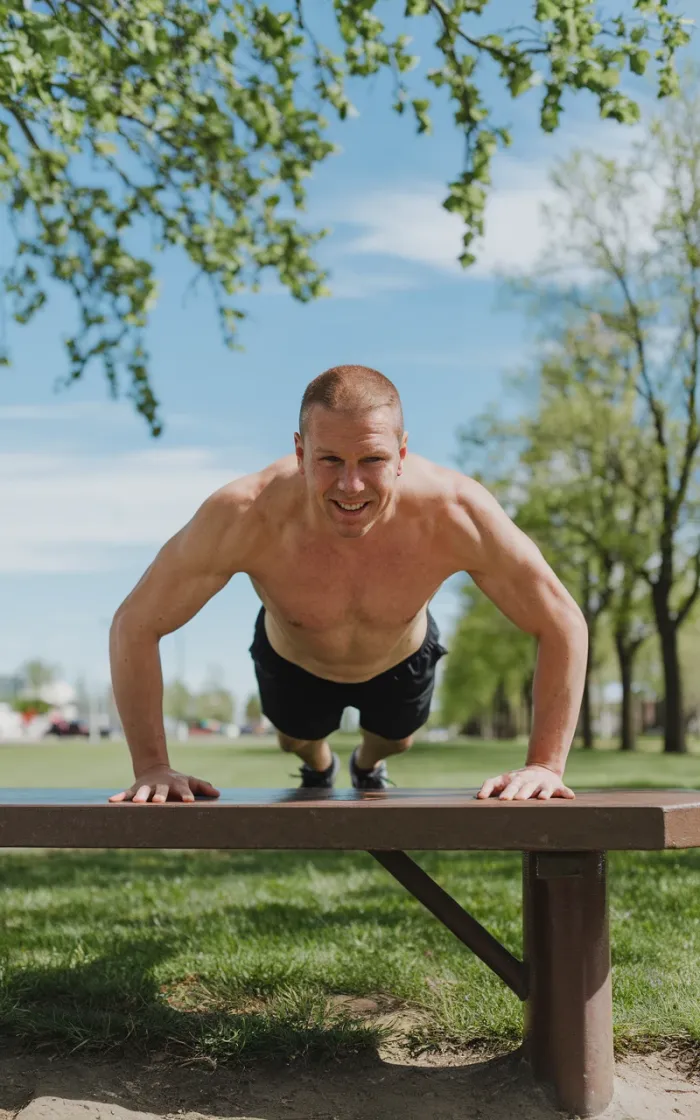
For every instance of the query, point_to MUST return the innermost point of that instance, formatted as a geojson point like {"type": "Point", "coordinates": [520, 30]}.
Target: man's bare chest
{"type": "Point", "coordinates": [317, 589]}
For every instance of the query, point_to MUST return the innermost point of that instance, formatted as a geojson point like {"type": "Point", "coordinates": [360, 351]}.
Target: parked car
{"type": "Point", "coordinates": [65, 727]}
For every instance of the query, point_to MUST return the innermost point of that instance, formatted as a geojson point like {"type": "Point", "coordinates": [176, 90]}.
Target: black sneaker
{"type": "Point", "coordinates": [368, 779]}
{"type": "Point", "coordinates": [319, 779]}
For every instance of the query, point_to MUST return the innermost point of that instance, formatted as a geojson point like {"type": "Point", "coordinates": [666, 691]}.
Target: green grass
{"type": "Point", "coordinates": [261, 763]}
{"type": "Point", "coordinates": [232, 955]}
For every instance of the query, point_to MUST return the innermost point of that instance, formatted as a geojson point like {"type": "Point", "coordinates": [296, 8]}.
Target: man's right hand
{"type": "Point", "coordinates": [160, 783]}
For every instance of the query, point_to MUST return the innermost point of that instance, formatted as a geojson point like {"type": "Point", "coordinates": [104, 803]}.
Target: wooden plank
{"type": "Point", "coordinates": [390, 820]}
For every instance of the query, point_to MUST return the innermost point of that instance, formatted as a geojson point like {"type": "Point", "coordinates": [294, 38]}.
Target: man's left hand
{"type": "Point", "coordinates": [520, 785]}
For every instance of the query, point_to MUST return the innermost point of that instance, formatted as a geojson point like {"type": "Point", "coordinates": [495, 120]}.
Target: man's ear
{"type": "Point", "coordinates": [299, 451]}
{"type": "Point", "coordinates": [402, 452]}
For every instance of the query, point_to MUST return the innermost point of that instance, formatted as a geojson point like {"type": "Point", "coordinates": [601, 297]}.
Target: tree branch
{"type": "Point", "coordinates": [105, 26]}
{"type": "Point", "coordinates": [23, 125]}
{"type": "Point", "coordinates": [479, 44]}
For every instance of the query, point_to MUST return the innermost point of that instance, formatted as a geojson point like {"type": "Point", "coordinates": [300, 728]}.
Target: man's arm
{"type": "Point", "coordinates": [189, 569]}
{"type": "Point", "coordinates": [509, 568]}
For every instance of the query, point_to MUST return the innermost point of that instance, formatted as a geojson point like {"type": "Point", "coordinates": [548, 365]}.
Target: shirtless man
{"type": "Point", "coordinates": [346, 542]}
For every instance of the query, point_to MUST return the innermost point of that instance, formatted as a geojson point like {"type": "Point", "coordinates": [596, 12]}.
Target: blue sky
{"type": "Point", "coordinates": [87, 497]}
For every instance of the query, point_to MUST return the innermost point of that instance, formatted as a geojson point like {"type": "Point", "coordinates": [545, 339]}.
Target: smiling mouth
{"type": "Point", "coordinates": [350, 508]}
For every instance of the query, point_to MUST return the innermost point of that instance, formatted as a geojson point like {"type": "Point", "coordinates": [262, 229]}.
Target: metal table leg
{"type": "Point", "coordinates": [569, 1039]}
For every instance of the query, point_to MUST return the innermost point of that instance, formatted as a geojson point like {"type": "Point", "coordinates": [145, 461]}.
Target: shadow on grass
{"type": "Point", "coordinates": [114, 1005]}
{"type": "Point", "coordinates": [112, 869]}
{"type": "Point", "coordinates": [107, 869]}
{"type": "Point", "coordinates": [114, 999]}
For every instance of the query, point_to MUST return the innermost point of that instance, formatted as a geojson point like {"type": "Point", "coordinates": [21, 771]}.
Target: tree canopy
{"type": "Point", "coordinates": [198, 117]}
{"type": "Point", "coordinates": [607, 466]}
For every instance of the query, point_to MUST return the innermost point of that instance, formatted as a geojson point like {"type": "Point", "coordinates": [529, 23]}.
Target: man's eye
{"type": "Point", "coordinates": [330, 459]}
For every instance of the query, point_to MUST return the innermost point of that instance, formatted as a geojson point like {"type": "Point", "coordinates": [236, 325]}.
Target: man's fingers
{"type": "Point", "coordinates": [183, 789]}
{"type": "Point", "coordinates": [526, 791]}
{"type": "Point", "coordinates": [558, 791]}
{"type": "Point", "coordinates": [493, 785]}
{"type": "Point", "coordinates": [200, 786]}
{"type": "Point", "coordinates": [525, 784]}
{"type": "Point", "coordinates": [511, 788]}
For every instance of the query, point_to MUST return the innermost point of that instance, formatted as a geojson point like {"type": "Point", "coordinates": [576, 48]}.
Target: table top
{"type": "Point", "coordinates": [386, 820]}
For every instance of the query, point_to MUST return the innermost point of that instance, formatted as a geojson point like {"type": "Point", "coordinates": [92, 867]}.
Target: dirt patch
{"type": "Point", "coordinates": [37, 1086]}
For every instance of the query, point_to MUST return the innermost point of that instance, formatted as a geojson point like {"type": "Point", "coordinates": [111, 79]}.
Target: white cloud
{"type": "Point", "coordinates": [78, 513]}
{"type": "Point", "coordinates": [67, 412]}
{"type": "Point", "coordinates": [348, 283]}
{"type": "Point", "coordinates": [410, 224]}
{"type": "Point", "coordinates": [75, 410]}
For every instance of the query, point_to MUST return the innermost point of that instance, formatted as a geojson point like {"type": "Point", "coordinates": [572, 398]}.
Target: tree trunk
{"type": "Point", "coordinates": [674, 725]}
{"type": "Point", "coordinates": [503, 723]}
{"type": "Point", "coordinates": [473, 727]}
{"type": "Point", "coordinates": [587, 738]}
{"type": "Point", "coordinates": [625, 657]}
{"type": "Point", "coordinates": [527, 700]}
{"type": "Point", "coordinates": [586, 717]}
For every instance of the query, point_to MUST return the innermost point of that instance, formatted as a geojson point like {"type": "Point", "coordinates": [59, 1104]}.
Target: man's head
{"type": "Point", "coordinates": [351, 445]}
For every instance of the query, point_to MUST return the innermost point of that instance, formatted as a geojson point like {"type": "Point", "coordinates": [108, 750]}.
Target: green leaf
{"type": "Point", "coordinates": [420, 108]}
{"type": "Point", "coordinates": [205, 120]}
{"type": "Point", "coordinates": [639, 61]}
{"type": "Point", "coordinates": [417, 7]}
{"type": "Point", "coordinates": [547, 9]}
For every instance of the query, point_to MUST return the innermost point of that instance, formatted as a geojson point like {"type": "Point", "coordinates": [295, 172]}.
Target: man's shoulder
{"type": "Point", "coordinates": [234, 520]}
{"type": "Point", "coordinates": [450, 490]}
{"type": "Point", "coordinates": [246, 506]}
{"type": "Point", "coordinates": [461, 510]}
{"type": "Point", "coordinates": [246, 491]}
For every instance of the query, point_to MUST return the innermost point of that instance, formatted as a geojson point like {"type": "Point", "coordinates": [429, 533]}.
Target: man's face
{"type": "Point", "coordinates": [351, 463]}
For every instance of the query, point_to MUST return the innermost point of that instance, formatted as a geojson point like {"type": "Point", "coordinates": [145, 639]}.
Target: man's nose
{"type": "Point", "coordinates": [350, 481]}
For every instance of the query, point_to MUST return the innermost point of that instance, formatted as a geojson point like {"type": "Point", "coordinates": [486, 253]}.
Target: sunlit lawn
{"type": "Point", "coordinates": [233, 954]}
{"type": "Point", "coordinates": [462, 764]}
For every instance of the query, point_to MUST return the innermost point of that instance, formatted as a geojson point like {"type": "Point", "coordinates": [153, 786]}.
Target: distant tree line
{"type": "Point", "coordinates": [212, 702]}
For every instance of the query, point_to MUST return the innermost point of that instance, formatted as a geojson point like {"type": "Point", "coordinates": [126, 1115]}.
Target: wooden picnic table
{"type": "Point", "coordinates": [565, 977]}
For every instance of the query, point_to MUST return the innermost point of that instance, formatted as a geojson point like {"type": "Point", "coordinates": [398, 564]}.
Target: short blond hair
{"type": "Point", "coordinates": [351, 389]}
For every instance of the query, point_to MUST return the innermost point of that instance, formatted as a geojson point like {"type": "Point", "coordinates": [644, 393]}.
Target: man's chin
{"type": "Point", "coordinates": [353, 530]}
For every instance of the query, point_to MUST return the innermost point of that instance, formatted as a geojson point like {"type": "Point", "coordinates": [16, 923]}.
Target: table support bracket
{"type": "Point", "coordinates": [470, 932]}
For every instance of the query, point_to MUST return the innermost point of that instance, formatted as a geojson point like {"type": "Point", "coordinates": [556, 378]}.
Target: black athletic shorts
{"type": "Point", "coordinates": [393, 704]}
